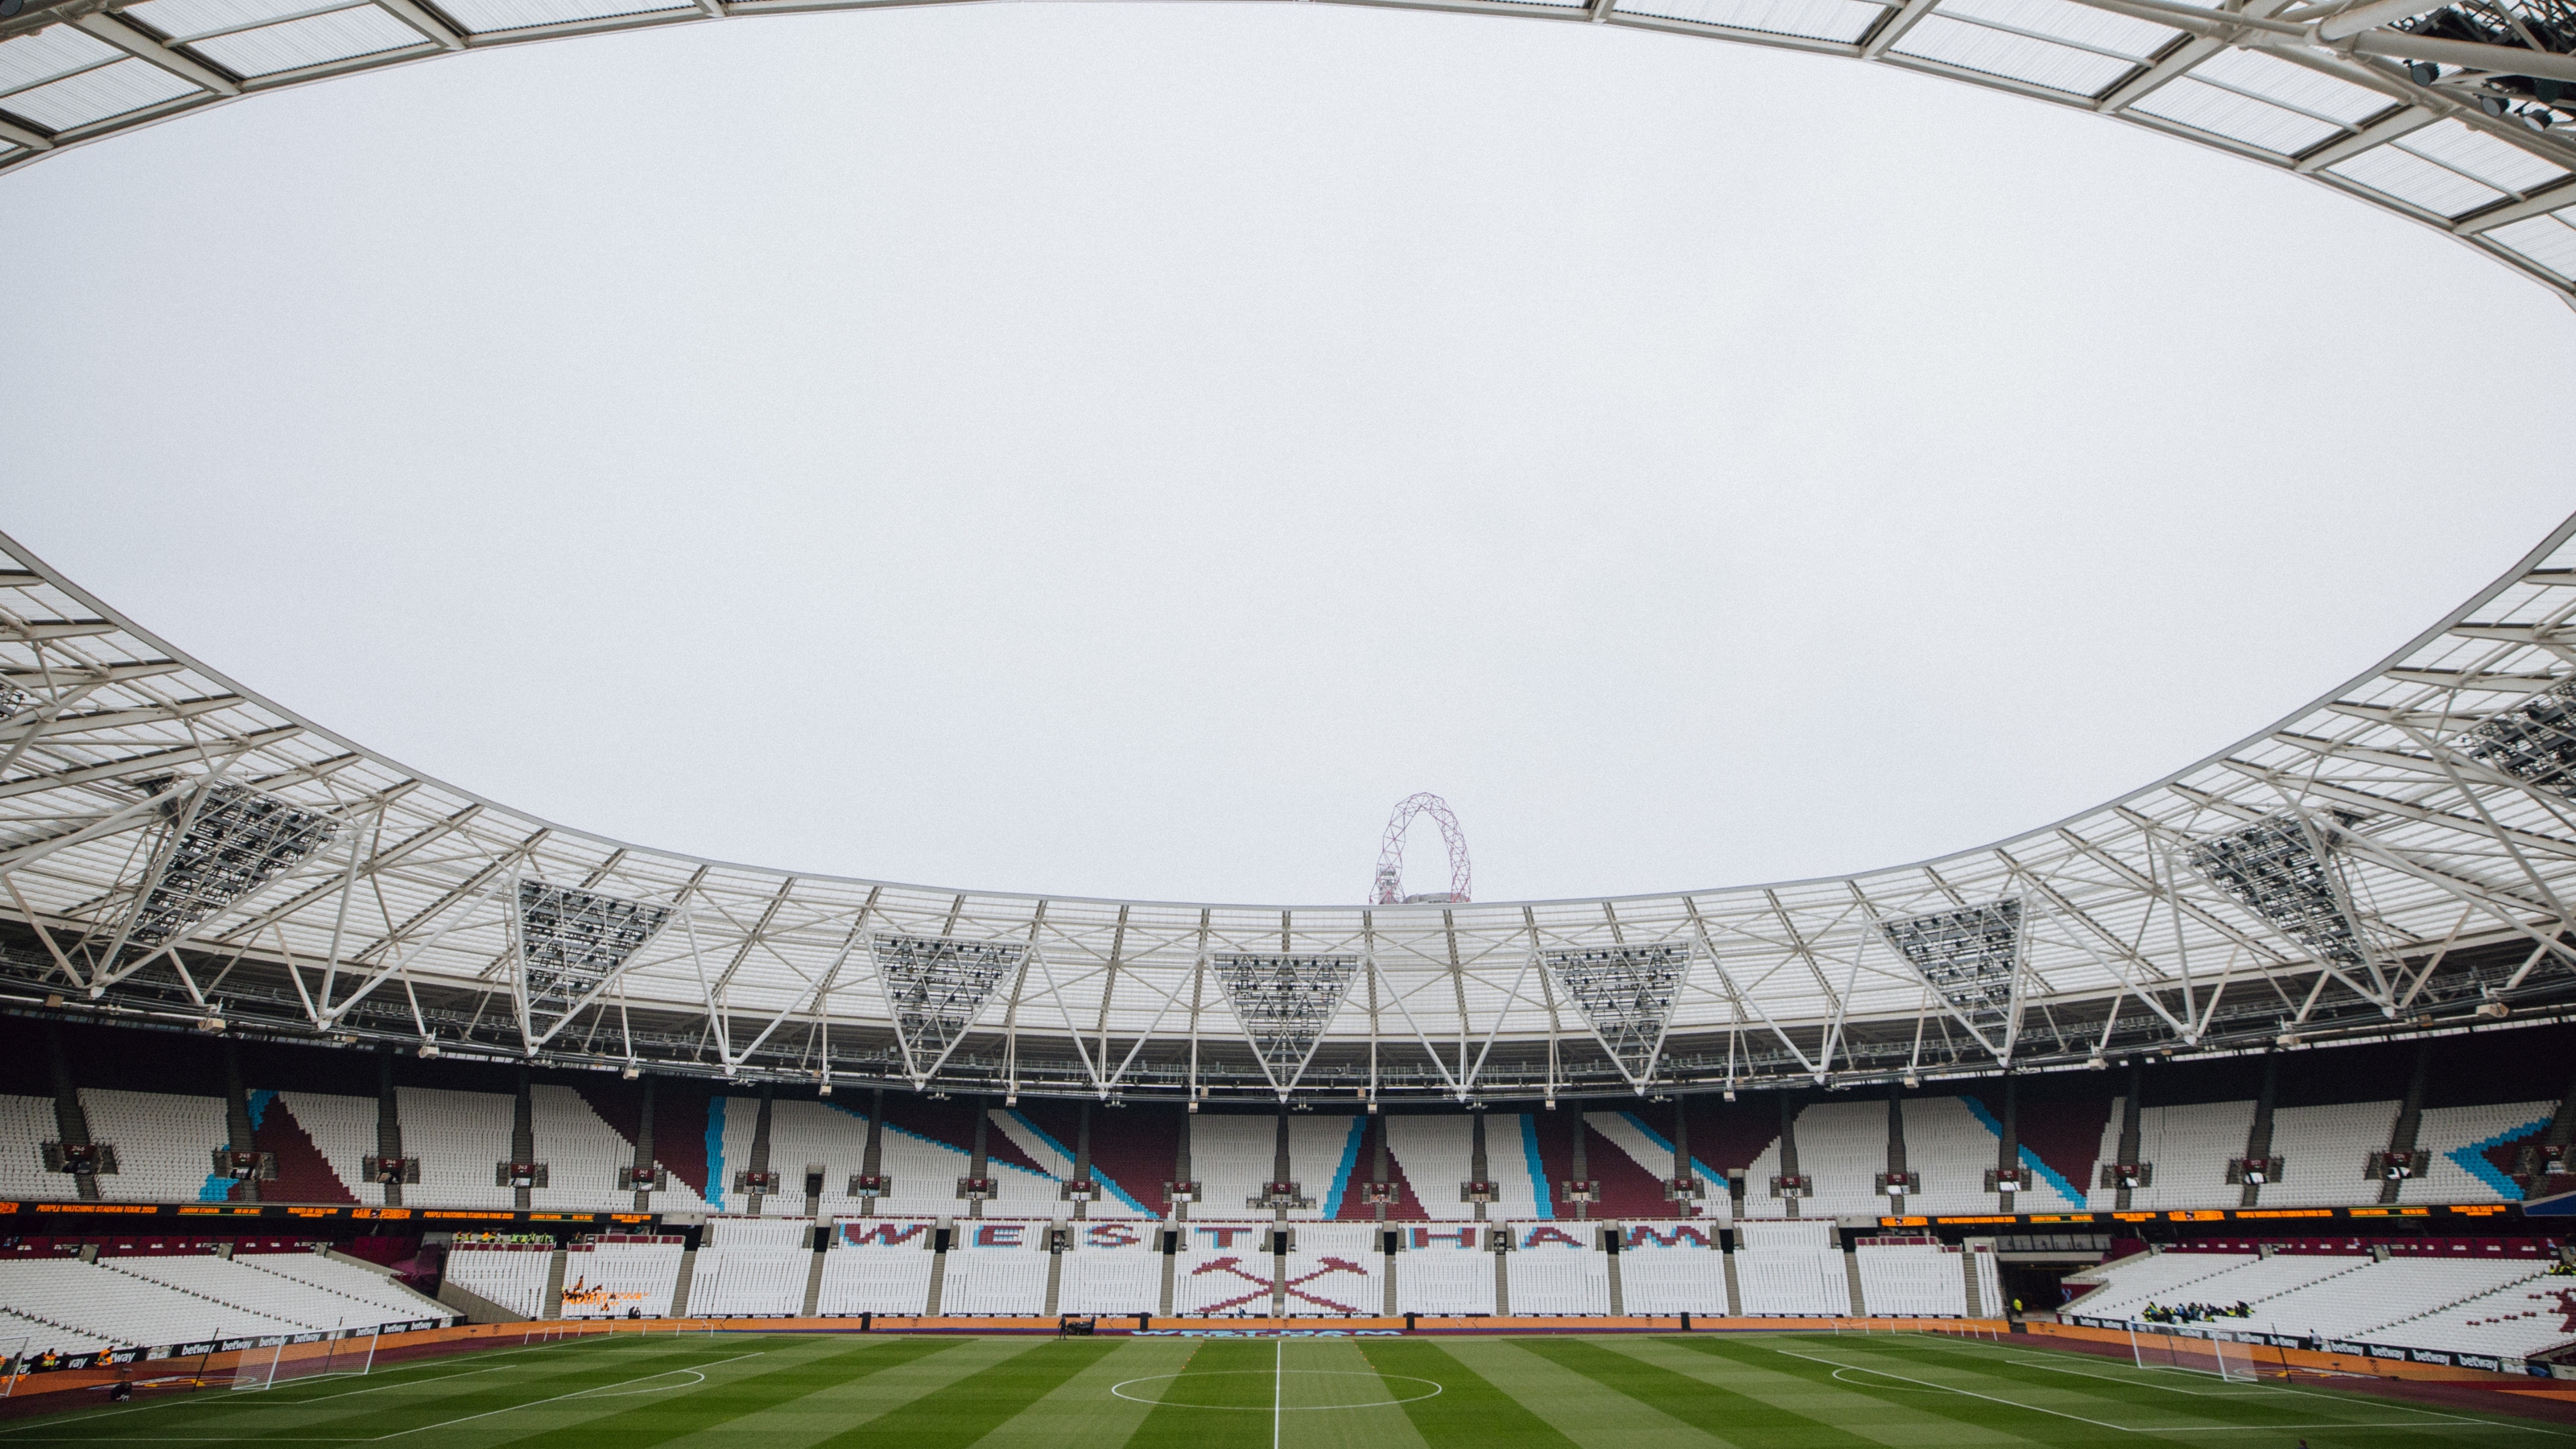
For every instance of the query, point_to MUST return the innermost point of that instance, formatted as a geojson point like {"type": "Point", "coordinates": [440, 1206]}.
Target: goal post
{"type": "Point", "coordinates": [256, 1367]}
{"type": "Point", "coordinates": [2221, 1358]}
{"type": "Point", "coordinates": [279, 1361]}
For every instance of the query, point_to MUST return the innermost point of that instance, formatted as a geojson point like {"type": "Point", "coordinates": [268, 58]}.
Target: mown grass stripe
{"type": "Point", "coordinates": [2094, 1394]}
{"type": "Point", "coordinates": [347, 1409]}
{"type": "Point", "coordinates": [1470, 1410]}
{"type": "Point", "coordinates": [1581, 1410]}
{"type": "Point", "coordinates": [1237, 1374]}
{"type": "Point", "coordinates": [971, 1407]}
{"type": "Point", "coordinates": [2109, 1390]}
{"type": "Point", "coordinates": [573, 1374]}
{"type": "Point", "coordinates": [726, 1399]}
{"type": "Point", "coordinates": [416, 1375]}
{"type": "Point", "coordinates": [1711, 1408]}
{"type": "Point", "coordinates": [1084, 1410]}
{"type": "Point", "coordinates": [2008, 1412]}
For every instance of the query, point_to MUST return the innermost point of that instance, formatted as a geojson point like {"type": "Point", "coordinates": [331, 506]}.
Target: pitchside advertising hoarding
{"type": "Point", "coordinates": [44, 1360]}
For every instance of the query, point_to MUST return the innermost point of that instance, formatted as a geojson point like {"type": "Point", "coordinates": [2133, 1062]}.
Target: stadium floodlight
{"type": "Point", "coordinates": [1971, 959]}
{"type": "Point", "coordinates": [2535, 741]}
{"type": "Point", "coordinates": [1626, 994]}
{"type": "Point", "coordinates": [2280, 870]}
{"type": "Point", "coordinates": [935, 985]}
{"type": "Point", "coordinates": [1284, 1003]}
{"type": "Point", "coordinates": [226, 842]}
{"type": "Point", "coordinates": [572, 944]}
{"type": "Point", "coordinates": [13, 701]}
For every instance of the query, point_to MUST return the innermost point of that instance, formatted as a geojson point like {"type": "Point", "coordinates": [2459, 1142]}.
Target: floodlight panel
{"type": "Point", "coordinates": [2274, 868]}
{"type": "Point", "coordinates": [234, 841]}
{"type": "Point", "coordinates": [1970, 957]}
{"type": "Point", "coordinates": [572, 941]}
{"type": "Point", "coordinates": [1626, 993]}
{"type": "Point", "coordinates": [2535, 743]}
{"type": "Point", "coordinates": [935, 985]}
{"type": "Point", "coordinates": [1284, 1002]}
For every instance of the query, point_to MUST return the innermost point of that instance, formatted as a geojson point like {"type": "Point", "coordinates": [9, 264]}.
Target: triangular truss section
{"type": "Point", "coordinates": [935, 985]}
{"type": "Point", "coordinates": [2535, 741]}
{"type": "Point", "coordinates": [1626, 993]}
{"type": "Point", "coordinates": [2278, 869]}
{"type": "Point", "coordinates": [572, 944]}
{"type": "Point", "coordinates": [1971, 959]}
{"type": "Point", "coordinates": [1284, 1003]}
{"type": "Point", "coordinates": [235, 841]}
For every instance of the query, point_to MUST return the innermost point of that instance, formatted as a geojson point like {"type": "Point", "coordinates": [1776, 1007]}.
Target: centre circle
{"type": "Point", "coordinates": [1177, 1397]}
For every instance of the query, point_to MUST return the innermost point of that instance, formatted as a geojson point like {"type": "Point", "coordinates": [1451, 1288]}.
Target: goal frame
{"type": "Point", "coordinates": [252, 1372]}
{"type": "Point", "coordinates": [2221, 1358]}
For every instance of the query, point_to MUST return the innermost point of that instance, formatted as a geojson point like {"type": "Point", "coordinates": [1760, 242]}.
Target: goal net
{"type": "Point", "coordinates": [273, 1361]}
{"type": "Point", "coordinates": [2231, 1361]}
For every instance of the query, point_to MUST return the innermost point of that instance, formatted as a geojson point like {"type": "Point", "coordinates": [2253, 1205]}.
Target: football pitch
{"type": "Point", "coordinates": [1809, 1391]}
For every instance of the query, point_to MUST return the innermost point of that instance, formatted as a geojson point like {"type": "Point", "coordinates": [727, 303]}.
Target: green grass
{"type": "Point", "coordinates": [1765, 1391]}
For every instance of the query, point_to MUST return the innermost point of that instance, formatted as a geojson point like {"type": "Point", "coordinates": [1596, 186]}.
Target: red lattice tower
{"type": "Point", "coordinates": [1388, 888]}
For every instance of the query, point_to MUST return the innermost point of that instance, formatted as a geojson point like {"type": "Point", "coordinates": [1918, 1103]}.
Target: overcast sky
{"type": "Point", "coordinates": [1122, 450]}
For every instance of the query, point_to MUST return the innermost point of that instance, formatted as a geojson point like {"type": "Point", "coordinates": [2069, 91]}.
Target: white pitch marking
{"type": "Point", "coordinates": [1971, 1393]}
{"type": "Point", "coordinates": [396, 1369]}
{"type": "Point", "coordinates": [1118, 1390]}
{"type": "Point", "coordinates": [2461, 1420]}
{"type": "Point", "coordinates": [398, 1433]}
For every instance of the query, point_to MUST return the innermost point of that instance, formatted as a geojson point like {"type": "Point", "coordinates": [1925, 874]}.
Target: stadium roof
{"type": "Point", "coordinates": [2444, 115]}
{"type": "Point", "coordinates": [2399, 854]}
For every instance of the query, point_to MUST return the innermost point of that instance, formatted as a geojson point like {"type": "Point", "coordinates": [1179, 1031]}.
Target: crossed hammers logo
{"type": "Point", "coordinates": [1294, 1286]}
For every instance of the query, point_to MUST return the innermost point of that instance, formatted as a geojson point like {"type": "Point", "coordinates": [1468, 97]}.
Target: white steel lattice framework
{"type": "Point", "coordinates": [2452, 116]}
{"type": "Point", "coordinates": [2399, 853]}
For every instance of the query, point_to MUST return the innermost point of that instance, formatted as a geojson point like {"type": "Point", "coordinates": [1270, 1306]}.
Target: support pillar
{"type": "Point", "coordinates": [2129, 1124]}
{"type": "Point", "coordinates": [1582, 1173]}
{"type": "Point", "coordinates": [644, 1148]}
{"type": "Point", "coordinates": [1896, 1144]}
{"type": "Point", "coordinates": [978, 1163]}
{"type": "Point", "coordinates": [1476, 1154]}
{"type": "Point", "coordinates": [760, 1145]}
{"type": "Point", "coordinates": [2258, 1138]}
{"type": "Point", "coordinates": [523, 1143]}
{"type": "Point", "coordinates": [1081, 1158]}
{"type": "Point", "coordinates": [238, 1129]}
{"type": "Point", "coordinates": [388, 1121]}
{"type": "Point", "coordinates": [1789, 1146]}
{"type": "Point", "coordinates": [1377, 1163]}
{"type": "Point", "coordinates": [1279, 1164]}
{"type": "Point", "coordinates": [2008, 1148]}
{"type": "Point", "coordinates": [71, 1121]}
{"type": "Point", "coordinates": [872, 1160]}
{"type": "Point", "coordinates": [2410, 1118]}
